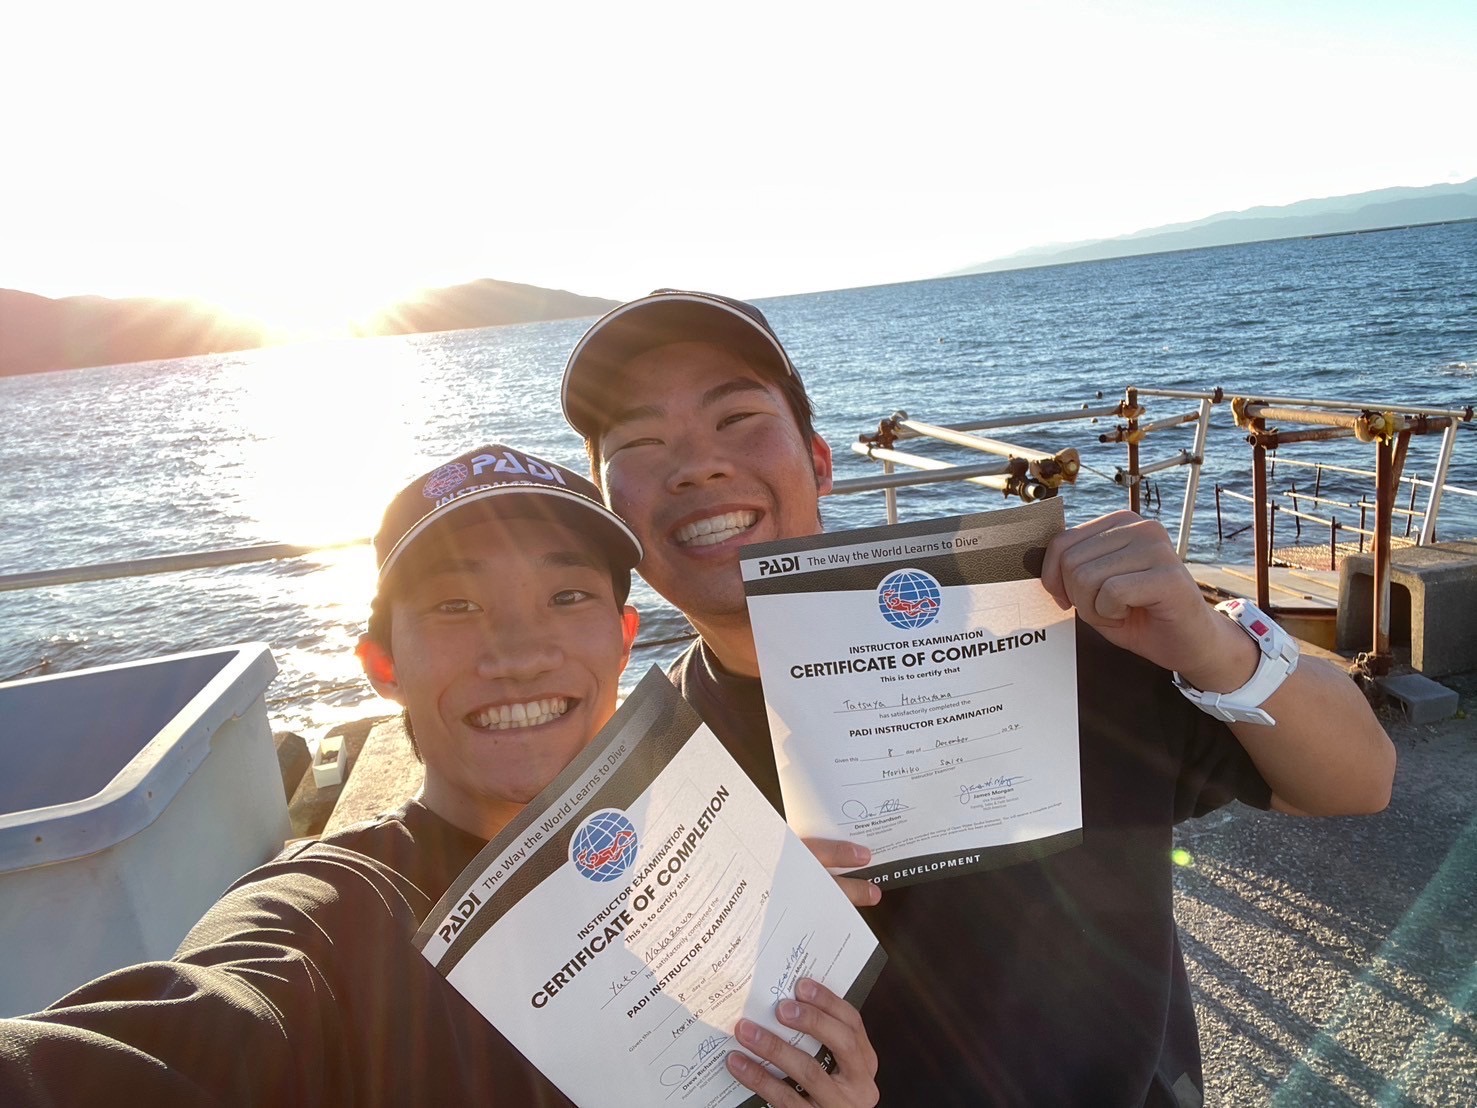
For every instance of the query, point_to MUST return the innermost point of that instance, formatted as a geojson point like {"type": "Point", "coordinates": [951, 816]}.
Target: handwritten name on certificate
{"type": "Point", "coordinates": [618, 929]}
{"type": "Point", "coordinates": [922, 690]}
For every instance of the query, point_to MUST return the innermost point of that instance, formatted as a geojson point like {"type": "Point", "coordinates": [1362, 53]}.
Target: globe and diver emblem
{"type": "Point", "coordinates": [909, 599]}
{"type": "Point", "coordinates": [605, 845]}
{"type": "Point", "coordinates": [442, 481]}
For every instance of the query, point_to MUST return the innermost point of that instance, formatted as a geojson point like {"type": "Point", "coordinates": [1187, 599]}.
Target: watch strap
{"type": "Point", "coordinates": [1279, 657]}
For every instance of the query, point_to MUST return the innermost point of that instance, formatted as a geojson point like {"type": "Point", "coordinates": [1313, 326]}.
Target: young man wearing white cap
{"type": "Point", "coordinates": [500, 624]}
{"type": "Point", "coordinates": [1053, 981]}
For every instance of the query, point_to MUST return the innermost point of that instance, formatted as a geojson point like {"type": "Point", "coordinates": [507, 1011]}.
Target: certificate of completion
{"type": "Point", "coordinates": [921, 686]}
{"type": "Point", "coordinates": [617, 930]}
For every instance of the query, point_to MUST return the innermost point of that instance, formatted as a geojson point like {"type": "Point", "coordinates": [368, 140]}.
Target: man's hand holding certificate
{"type": "Point", "coordinates": [648, 899]}
{"type": "Point", "coordinates": [921, 686]}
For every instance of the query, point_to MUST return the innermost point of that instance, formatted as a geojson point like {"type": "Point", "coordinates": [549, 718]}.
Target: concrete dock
{"type": "Point", "coordinates": [1334, 961]}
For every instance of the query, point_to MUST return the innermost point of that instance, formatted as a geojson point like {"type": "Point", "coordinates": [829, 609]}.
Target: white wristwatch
{"type": "Point", "coordinates": [1279, 658]}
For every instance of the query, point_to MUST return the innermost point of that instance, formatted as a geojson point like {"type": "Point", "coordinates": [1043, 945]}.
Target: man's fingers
{"type": "Point", "coordinates": [835, 1021]}
{"type": "Point", "coordinates": [823, 1016]}
{"type": "Point", "coordinates": [754, 1077]}
{"type": "Point", "coordinates": [838, 854]}
{"type": "Point", "coordinates": [1065, 550]}
{"type": "Point", "coordinates": [1123, 592]}
{"type": "Point", "coordinates": [860, 891]}
{"type": "Point", "coordinates": [799, 1066]}
{"type": "Point", "coordinates": [1123, 552]}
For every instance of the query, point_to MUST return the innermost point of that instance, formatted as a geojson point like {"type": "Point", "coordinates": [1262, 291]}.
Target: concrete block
{"type": "Point", "coordinates": [1424, 700]}
{"type": "Point", "coordinates": [293, 760]}
{"type": "Point", "coordinates": [1433, 594]}
{"type": "Point", "coordinates": [310, 807]}
{"type": "Point", "coordinates": [386, 775]}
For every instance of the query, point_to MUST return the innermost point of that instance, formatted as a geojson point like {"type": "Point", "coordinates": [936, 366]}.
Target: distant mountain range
{"type": "Point", "coordinates": [37, 333]}
{"type": "Point", "coordinates": [1336, 215]}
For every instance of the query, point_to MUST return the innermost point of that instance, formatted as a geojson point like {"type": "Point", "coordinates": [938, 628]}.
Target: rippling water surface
{"type": "Point", "coordinates": [306, 443]}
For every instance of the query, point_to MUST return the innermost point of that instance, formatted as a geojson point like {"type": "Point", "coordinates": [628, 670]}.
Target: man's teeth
{"type": "Point", "coordinates": [531, 714]}
{"type": "Point", "coordinates": [706, 532]}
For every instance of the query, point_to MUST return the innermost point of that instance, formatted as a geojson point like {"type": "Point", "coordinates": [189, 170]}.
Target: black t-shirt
{"type": "Point", "coordinates": [1057, 981]}
{"type": "Point", "coordinates": [299, 987]}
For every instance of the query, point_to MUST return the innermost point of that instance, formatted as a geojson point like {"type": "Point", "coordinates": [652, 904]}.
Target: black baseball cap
{"type": "Point", "coordinates": [501, 480]}
{"type": "Point", "coordinates": [666, 316]}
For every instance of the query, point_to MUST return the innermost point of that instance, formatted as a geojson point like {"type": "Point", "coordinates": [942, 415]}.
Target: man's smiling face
{"type": "Point", "coordinates": [506, 647]}
{"type": "Point", "coordinates": [701, 457]}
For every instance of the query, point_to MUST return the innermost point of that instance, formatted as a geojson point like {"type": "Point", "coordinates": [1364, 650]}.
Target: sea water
{"type": "Point", "coordinates": [306, 443]}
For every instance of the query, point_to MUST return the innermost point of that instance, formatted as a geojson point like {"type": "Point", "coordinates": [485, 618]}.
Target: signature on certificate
{"type": "Point", "coordinates": [857, 810]}
{"type": "Point", "coordinates": [794, 965]}
{"type": "Point", "coordinates": [679, 1072]}
{"type": "Point", "coordinates": [1004, 781]}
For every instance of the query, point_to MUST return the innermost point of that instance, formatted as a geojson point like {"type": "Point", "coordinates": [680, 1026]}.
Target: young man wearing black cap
{"type": "Point", "coordinates": [500, 624]}
{"type": "Point", "coordinates": [1055, 981]}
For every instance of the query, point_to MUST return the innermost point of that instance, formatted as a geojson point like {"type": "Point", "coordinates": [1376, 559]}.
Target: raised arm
{"type": "Point", "coordinates": [1326, 754]}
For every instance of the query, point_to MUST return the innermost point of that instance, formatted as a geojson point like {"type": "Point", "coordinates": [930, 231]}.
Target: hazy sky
{"type": "Point", "coordinates": [307, 161]}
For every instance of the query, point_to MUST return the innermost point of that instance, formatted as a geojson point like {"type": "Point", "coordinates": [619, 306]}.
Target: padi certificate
{"type": "Point", "coordinates": [649, 897]}
{"type": "Point", "coordinates": [922, 691]}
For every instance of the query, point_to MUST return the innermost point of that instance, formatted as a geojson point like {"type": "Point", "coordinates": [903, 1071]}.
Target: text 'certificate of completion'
{"type": "Point", "coordinates": [922, 690]}
{"type": "Point", "coordinates": [617, 930]}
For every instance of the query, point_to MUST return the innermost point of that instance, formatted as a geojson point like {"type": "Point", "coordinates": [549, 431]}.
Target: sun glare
{"type": "Point", "coordinates": [326, 430]}
{"type": "Point", "coordinates": [325, 302]}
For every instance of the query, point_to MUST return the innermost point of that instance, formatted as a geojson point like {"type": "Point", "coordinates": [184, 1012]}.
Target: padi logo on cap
{"type": "Point", "coordinates": [445, 484]}
{"type": "Point", "coordinates": [521, 465]}
{"type": "Point", "coordinates": [443, 480]}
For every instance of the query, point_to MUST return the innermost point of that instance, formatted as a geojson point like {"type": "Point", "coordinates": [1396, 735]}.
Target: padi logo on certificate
{"type": "Point", "coordinates": [909, 599]}
{"type": "Point", "coordinates": [604, 846]}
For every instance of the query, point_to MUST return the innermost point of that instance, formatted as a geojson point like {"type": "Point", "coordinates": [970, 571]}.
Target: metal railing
{"type": "Point", "coordinates": [1033, 474]}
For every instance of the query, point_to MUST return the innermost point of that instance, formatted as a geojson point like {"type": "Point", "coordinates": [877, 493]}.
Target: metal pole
{"type": "Point", "coordinates": [1220, 535]}
{"type": "Point", "coordinates": [1182, 458]}
{"type": "Point", "coordinates": [1262, 538]}
{"type": "Point", "coordinates": [937, 472]}
{"type": "Point", "coordinates": [167, 563]}
{"type": "Point", "coordinates": [1278, 438]}
{"type": "Point", "coordinates": [1410, 511]}
{"type": "Point", "coordinates": [1433, 505]}
{"type": "Point", "coordinates": [1358, 406]}
{"type": "Point", "coordinates": [1108, 412]}
{"type": "Point", "coordinates": [1131, 398]}
{"type": "Point", "coordinates": [976, 442]}
{"type": "Point", "coordinates": [1384, 469]}
{"type": "Point", "coordinates": [889, 495]}
{"type": "Point", "coordinates": [1192, 486]}
{"type": "Point", "coordinates": [921, 461]}
{"type": "Point", "coordinates": [1298, 415]}
{"type": "Point", "coordinates": [1215, 397]}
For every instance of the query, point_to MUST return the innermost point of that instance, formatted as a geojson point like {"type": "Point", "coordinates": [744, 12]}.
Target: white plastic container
{"type": "Point", "coordinates": [131, 796]}
{"type": "Point", "coordinates": [328, 762]}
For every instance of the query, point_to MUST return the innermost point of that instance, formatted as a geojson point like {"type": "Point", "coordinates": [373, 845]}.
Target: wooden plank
{"type": "Point", "coordinates": [1290, 589]}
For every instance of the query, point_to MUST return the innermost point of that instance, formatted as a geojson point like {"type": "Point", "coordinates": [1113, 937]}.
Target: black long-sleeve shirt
{"type": "Point", "coordinates": [299, 987]}
{"type": "Point", "coordinates": [1056, 981]}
